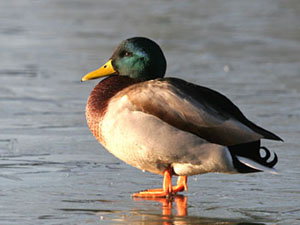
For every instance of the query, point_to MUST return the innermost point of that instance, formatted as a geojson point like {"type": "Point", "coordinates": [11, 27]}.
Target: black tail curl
{"type": "Point", "coordinates": [251, 151]}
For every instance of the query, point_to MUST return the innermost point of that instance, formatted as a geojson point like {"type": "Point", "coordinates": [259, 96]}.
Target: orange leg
{"type": "Point", "coordinates": [159, 193]}
{"type": "Point", "coordinates": [181, 184]}
{"type": "Point", "coordinates": [167, 189]}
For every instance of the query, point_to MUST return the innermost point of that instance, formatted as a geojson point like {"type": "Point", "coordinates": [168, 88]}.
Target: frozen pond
{"type": "Point", "coordinates": [52, 170]}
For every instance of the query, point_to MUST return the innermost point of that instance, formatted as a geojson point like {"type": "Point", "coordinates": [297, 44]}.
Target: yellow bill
{"type": "Point", "coordinates": [106, 70]}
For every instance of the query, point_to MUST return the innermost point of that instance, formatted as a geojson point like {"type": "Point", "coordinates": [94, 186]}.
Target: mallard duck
{"type": "Point", "coordinates": [169, 126]}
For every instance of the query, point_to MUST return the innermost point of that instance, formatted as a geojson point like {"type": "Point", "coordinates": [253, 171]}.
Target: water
{"type": "Point", "coordinates": [52, 171]}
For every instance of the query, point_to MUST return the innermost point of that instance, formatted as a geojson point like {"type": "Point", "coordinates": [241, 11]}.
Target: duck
{"type": "Point", "coordinates": [168, 126]}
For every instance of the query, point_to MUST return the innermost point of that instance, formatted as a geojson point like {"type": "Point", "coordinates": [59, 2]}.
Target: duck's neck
{"type": "Point", "coordinates": [99, 98]}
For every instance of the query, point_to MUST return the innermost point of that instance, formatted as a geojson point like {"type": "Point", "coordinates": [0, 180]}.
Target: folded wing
{"type": "Point", "coordinates": [195, 109]}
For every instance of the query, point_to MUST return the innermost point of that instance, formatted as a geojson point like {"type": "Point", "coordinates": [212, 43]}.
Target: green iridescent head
{"type": "Point", "coordinates": [138, 58]}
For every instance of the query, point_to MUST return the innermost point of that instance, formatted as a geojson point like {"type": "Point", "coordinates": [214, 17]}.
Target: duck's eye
{"type": "Point", "coordinates": [126, 54]}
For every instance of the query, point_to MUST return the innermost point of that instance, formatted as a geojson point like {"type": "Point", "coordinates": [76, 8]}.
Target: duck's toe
{"type": "Point", "coordinates": [153, 193]}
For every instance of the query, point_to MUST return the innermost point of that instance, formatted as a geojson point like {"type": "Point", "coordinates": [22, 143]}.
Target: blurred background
{"type": "Point", "coordinates": [52, 170]}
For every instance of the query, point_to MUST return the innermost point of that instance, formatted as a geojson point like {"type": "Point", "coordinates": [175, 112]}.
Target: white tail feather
{"type": "Point", "coordinates": [255, 165]}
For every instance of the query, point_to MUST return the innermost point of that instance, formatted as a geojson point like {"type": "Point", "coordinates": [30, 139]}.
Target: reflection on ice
{"type": "Point", "coordinates": [151, 211]}
{"type": "Point", "coordinates": [167, 204]}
